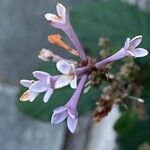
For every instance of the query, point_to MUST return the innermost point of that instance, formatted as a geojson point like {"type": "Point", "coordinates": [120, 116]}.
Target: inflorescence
{"type": "Point", "coordinates": [86, 71]}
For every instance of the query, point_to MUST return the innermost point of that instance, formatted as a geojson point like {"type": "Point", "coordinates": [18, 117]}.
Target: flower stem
{"type": "Point", "coordinates": [119, 55]}
{"type": "Point", "coordinates": [73, 37]}
{"type": "Point", "coordinates": [83, 70]}
{"type": "Point", "coordinates": [76, 96]}
{"type": "Point", "coordinates": [87, 69]}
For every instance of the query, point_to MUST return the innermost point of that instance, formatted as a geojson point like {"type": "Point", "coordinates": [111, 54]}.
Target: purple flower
{"type": "Point", "coordinates": [60, 19]}
{"type": "Point", "coordinates": [63, 112]}
{"type": "Point", "coordinates": [29, 95]}
{"type": "Point", "coordinates": [69, 75]}
{"type": "Point", "coordinates": [131, 47]}
{"type": "Point", "coordinates": [69, 110]}
{"type": "Point", "coordinates": [45, 83]}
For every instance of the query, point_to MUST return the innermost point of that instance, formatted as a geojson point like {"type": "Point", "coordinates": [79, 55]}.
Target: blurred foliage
{"type": "Point", "coordinates": [126, 122]}
{"type": "Point", "coordinates": [116, 21]}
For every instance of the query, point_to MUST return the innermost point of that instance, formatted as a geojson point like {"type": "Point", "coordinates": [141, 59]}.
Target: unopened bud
{"type": "Point", "coordinates": [47, 55]}
{"type": "Point", "coordinates": [58, 40]}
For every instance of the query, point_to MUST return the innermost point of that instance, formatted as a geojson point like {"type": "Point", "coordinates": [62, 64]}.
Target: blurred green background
{"type": "Point", "coordinates": [117, 21]}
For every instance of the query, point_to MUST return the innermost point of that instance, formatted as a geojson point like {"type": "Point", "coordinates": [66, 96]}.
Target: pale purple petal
{"type": "Point", "coordinates": [126, 45]}
{"type": "Point", "coordinates": [73, 83]}
{"type": "Point", "coordinates": [64, 67]}
{"type": "Point", "coordinates": [39, 87]}
{"type": "Point", "coordinates": [50, 17]}
{"type": "Point", "coordinates": [41, 75]}
{"type": "Point", "coordinates": [63, 81]}
{"type": "Point", "coordinates": [48, 81]}
{"type": "Point", "coordinates": [26, 83]}
{"type": "Point", "coordinates": [139, 52]}
{"type": "Point", "coordinates": [72, 124]}
{"type": "Point", "coordinates": [72, 113]}
{"type": "Point", "coordinates": [48, 95]}
{"type": "Point", "coordinates": [32, 95]}
{"type": "Point", "coordinates": [73, 69]}
{"type": "Point", "coordinates": [55, 77]}
{"type": "Point", "coordinates": [60, 109]}
{"type": "Point", "coordinates": [61, 10]}
{"type": "Point", "coordinates": [58, 118]}
{"type": "Point", "coordinates": [135, 42]}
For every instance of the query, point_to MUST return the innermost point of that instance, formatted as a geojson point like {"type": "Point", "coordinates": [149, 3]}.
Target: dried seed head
{"type": "Point", "coordinates": [129, 70]}
{"type": "Point", "coordinates": [103, 42]}
{"type": "Point", "coordinates": [104, 108]}
{"type": "Point", "coordinates": [144, 146]}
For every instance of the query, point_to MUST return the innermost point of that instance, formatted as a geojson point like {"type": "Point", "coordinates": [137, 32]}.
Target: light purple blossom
{"type": "Point", "coordinates": [69, 75]}
{"type": "Point", "coordinates": [69, 110]}
{"type": "Point", "coordinates": [29, 95]}
{"type": "Point", "coordinates": [131, 47]}
{"type": "Point", "coordinates": [44, 84]}
{"type": "Point", "coordinates": [60, 19]}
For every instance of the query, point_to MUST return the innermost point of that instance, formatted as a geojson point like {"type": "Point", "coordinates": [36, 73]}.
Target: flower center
{"type": "Point", "coordinates": [59, 18]}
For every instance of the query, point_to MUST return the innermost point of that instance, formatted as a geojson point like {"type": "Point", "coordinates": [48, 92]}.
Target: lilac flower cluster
{"type": "Point", "coordinates": [70, 72]}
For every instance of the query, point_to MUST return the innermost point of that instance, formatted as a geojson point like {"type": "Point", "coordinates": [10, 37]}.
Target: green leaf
{"type": "Point", "coordinates": [126, 122]}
